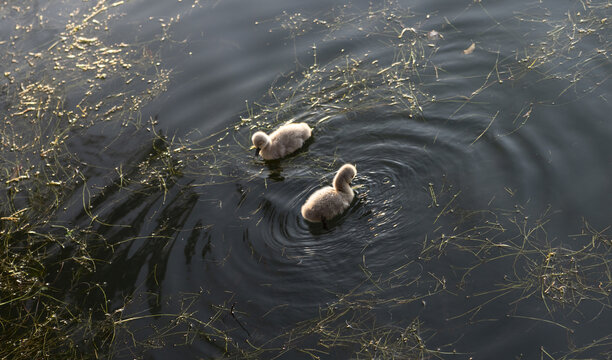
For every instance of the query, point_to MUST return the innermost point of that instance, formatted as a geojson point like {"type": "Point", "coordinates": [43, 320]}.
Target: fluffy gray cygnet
{"type": "Point", "coordinates": [328, 202]}
{"type": "Point", "coordinates": [282, 142]}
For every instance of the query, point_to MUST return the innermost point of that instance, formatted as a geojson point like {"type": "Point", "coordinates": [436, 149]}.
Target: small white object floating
{"type": "Point", "coordinates": [282, 142]}
{"type": "Point", "coordinates": [328, 202]}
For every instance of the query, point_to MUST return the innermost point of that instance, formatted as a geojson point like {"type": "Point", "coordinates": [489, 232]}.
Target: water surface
{"type": "Point", "coordinates": [480, 168]}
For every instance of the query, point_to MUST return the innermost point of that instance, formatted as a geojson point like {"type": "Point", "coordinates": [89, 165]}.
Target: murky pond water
{"type": "Point", "coordinates": [148, 228]}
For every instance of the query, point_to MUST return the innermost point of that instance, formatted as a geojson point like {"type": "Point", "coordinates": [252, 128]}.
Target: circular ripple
{"type": "Point", "coordinates": [393, 209]}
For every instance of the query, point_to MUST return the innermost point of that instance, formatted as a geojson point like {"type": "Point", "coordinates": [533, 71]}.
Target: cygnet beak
{"type": "Point", "coordinates": [256, 151]}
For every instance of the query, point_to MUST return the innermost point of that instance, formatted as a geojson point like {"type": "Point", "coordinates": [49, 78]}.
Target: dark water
{"type": "Point", "coordinates": [516, 132]}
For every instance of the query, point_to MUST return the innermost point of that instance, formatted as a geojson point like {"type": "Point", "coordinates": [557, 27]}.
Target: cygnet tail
{"type": "Point", "coordinates": [308, 213]}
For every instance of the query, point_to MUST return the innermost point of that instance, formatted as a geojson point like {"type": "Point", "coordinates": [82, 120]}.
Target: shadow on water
{"type": "Point", "coordinates": [335, 224]}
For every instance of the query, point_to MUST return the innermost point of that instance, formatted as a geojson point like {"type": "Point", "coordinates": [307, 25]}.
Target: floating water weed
{"type": "Point", "coordinates": [50, 97]}
{"type": "Point", "coordinates": [64, 224]}
{"type": "Point", "coordinates": [570, 277]}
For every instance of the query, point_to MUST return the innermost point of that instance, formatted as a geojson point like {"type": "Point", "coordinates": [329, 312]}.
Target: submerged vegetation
{"type": "Point", "coordinates": [62, 212]}
{"type": "Point", "coordinates": [73, 83]}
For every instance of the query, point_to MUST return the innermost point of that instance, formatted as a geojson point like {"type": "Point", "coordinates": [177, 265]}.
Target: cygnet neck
{"type": "Point", "coordinates": [341, 184]}
{"type": "Point", "coordinates": [262, 139]}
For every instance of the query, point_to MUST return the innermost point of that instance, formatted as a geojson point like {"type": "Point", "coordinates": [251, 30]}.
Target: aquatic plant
{"type": "Point", "coordinates": [62, 214]}
{"type": "Point", "coordinates": [75, 80]}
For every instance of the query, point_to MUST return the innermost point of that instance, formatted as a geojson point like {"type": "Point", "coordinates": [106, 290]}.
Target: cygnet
{"type": "Point", "coordinates": [282, 142]}
{"type": "Point", "coordinates": [328, 202]}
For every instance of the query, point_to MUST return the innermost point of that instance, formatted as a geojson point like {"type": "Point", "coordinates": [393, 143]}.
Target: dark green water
{"type": "Point", "coordinates": [479, 173]}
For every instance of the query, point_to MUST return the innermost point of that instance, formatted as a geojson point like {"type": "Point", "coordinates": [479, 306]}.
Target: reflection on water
{"type": "Point", "coordinates": [480, 220]}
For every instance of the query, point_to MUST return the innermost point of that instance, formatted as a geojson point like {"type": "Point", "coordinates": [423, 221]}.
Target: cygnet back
{"type": "Point", "coordinates": [329, 202]}
{"type": "Point", "coordinates": [282, 142]}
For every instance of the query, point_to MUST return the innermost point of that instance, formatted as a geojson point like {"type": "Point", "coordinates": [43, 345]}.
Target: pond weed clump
{"type": "Point", "coordinates": [561, 282]}
{"type": "Point", "coordinates": [559, 272]}
{"type": "Point", "coordinates": [347, 81]}
{"type": "Point", "coordinates": [574, 48]}
{"type": "Point", "coordinates": [53, 302]}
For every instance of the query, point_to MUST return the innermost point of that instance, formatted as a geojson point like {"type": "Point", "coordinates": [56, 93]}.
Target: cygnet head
{"type": "Point", "coordinates": [344, 176]}
{"type": "Point", "coordinates": [260, 140]}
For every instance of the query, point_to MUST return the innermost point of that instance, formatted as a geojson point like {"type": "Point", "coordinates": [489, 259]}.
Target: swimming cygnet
{"type": "Point", "coordinates": [282, 142]}
{"type": "Point", "coordinates": [328, 202]}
